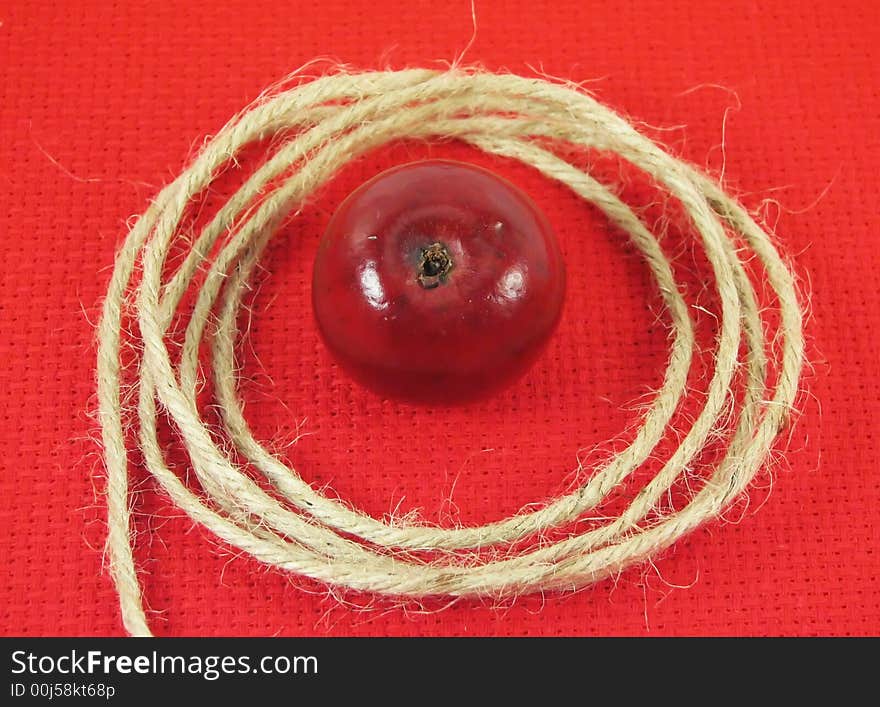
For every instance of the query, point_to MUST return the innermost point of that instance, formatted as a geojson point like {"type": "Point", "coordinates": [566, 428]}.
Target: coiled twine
{"type": "Point", "coordinates": [316, 128]}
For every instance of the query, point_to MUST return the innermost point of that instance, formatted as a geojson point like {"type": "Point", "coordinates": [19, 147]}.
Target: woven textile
{"type": "Point", "coordinates": [102, 103]}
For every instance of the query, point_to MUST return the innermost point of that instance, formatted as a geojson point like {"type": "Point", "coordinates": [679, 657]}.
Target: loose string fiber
{"type": "Point", "coordinates": [316, 128]}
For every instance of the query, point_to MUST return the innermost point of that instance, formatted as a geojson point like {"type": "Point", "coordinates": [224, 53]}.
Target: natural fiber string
{"type": "Point", "coordinates": [319, 126]}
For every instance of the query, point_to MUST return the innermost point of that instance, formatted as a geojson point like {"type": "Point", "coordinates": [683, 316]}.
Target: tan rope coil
{"type": "Point", "coordinates": [320, 126]}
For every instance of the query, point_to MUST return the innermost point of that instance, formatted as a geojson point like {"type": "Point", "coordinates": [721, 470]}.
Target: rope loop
{"type": "Point", "coordinates": [316, 128]}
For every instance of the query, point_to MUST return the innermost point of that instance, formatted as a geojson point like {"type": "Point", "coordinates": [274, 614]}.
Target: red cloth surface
{"type": "Point", "coordinates": [101, 103]}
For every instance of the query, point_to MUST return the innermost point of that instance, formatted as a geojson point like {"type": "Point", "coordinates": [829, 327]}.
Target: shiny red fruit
{"type": "Point", "coordinates": [437, 281]}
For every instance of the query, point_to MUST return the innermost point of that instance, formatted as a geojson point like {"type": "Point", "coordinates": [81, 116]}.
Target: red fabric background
{"type": "Point", "coordinates": [101, 103]}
